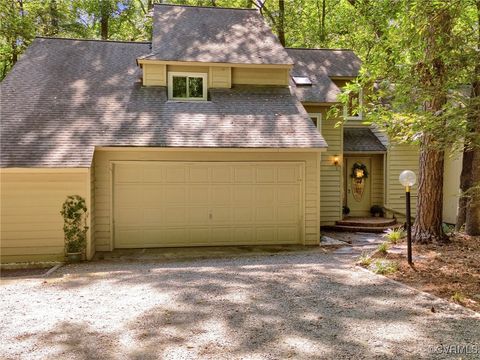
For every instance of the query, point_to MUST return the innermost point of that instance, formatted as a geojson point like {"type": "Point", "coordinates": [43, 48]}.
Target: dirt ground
{"type": "Point", "coordinates": [450, 271]}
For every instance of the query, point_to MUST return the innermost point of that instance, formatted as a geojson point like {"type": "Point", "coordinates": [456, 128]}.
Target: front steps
{"type": "Point", "coordinates": [364, 224]}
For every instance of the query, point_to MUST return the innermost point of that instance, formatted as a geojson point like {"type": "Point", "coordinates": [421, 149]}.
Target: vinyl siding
{"type": "Point", "coordinates": [377, 180]}
{"type": "Point", "coordinates": [31, 224]}
{"type": "Point", "coordinates": [451, 186]}
{"type": "Point", "coordinates": [220, 77]}
{"type": "Point", "coordinates": [103, 182]}
{"type": "Point", "coordinates": [258, 76]}
{"type": "Point", "coordinates": [399, 158]}
{"type": "Point", "coordinates": [154, 75]}
{"type": "Point", "coordinates": [331, 179]}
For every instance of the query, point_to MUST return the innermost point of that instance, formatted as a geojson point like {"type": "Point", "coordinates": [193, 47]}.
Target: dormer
{"type": "Point", "coordinates": [198, 48]}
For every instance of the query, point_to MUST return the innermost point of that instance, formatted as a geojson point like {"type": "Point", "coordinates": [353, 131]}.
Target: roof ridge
{"type": "Point", "coordinates": [204, 7]}
{"type": "Point", "coordinates": [96, 40]}
{"type": "Point", "coordinates": [327, 49]}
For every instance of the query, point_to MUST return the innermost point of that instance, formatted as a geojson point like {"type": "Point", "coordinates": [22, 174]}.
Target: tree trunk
{"type": "Point", "coordinates": [54, 18]}
{"type": "Point", "coordinates": [428, 221]}
{"type": "Point", "coordinates": [281, 21]}
{"type": "Point", "coordinates": [472, 218]}
{"type": "Point", "coordinates": [104, 17]}
{"type": "Point", "coordinates": [465, 184]}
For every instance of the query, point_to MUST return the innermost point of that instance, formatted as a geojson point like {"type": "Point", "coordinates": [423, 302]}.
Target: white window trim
{"type": "Point", "coordinates": [360, 104]}
{"type": "Point", "coordinates": [319, 120]}
{"type": "Point", "coordinates": [186, 74]}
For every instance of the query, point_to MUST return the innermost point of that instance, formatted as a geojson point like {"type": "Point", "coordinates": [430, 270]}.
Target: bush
{"type": "Point", "coordinates": [384, 267]}
{"type": "Point", "coordinates": [377, 210]}
{"type": "Point", "coordinates": [74, 212]}
{"type": "Point", "coordinates": [394, 235]}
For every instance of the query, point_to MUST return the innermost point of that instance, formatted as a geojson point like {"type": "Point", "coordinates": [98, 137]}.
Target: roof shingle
{"type": "Point", "coordinates": [64, 97]}
{"type": "Point", "coordinates": [362, 140]}
{"type": "Point", "coordinates": [320, 65]}
{"type": "Point", "coordinates": [210, 34]}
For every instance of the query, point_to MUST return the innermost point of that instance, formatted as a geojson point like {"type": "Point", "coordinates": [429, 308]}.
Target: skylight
{"type": "Point", "coordinates": [301, 80]}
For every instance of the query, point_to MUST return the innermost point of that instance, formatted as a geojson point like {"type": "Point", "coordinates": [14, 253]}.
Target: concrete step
{"type": "Point", "coordinates": [366, 222]}
{"type": "Point", "coordinates": [365, 229]}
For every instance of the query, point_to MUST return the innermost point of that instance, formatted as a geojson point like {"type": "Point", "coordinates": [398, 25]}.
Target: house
{"type": "Point", "coordinates": [212, 134]}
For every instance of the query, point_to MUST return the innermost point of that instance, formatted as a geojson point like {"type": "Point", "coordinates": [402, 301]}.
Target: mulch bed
{"type": "Point", "coordinates": [450, 271]}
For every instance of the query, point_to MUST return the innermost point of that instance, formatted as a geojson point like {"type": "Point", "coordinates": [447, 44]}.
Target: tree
{"type": "Point", "coordinates": [469, 202]}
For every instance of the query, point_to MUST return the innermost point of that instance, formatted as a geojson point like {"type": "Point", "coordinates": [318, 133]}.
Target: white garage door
{"type": "Point", "coordinates": [159, 204]}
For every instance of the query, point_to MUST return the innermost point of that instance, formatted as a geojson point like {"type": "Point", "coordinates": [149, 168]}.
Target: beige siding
{"type": "Point", "coordinates": [399, 158]}
{"type": "Point", "coordinates": [220, 77]}
{"type": "Point", "coordinates": [256, 76]}
{"type": "Point", "coordinates": [103, 183]}
{"type": "Point", "coordinates": [378, 181]}
{"type": "Point", "coordinates": [154, 75]}
{"type": "Point", "coordinates": [31, 224]}
{"type": "Point", "coordinates": [331, 178]}
{"type": "Point", "coordinates": [451, 186]}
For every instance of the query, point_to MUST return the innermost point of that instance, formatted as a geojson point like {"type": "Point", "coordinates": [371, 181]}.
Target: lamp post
{"type": "Point", "coordinates": [408, 178]}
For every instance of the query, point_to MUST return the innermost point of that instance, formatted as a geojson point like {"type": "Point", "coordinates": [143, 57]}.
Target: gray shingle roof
{"type": "Point", "coordinates": [64, 97]}
{"type": "Point", "coordinates": [209, 34]}
{"type": "Point", "coordinates": [361, 139]}
{"type": "Point", "coordinates": [320, 65]}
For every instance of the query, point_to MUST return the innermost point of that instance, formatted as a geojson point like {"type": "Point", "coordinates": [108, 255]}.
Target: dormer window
{"type": "Point", "coordinates": [187, 86]}
{"type": "Point", "coordinates": [352, 110]}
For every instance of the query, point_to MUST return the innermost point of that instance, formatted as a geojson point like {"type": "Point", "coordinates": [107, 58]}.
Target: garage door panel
{"type": "Point", "coordinates": [243, 194]}
{"type": "Point", "coordinates": [287, 214]}
{"type": "Point", "coordinates": [175, 215]}
{"type": "Point", "coordinates": [199, 174]}
{"type": "Point", "coordinates": [265, 174]}
{"type": "Point", "coordinates": [287, 235]}
{"type": "Point", "coordinates": [221, 195]}
{"type": "Point", "coordinates": [287, 174]}
{"type": "Point", "coordinates": [264, 195]}
{"type": "Point", "coordinates": [244, 174]}
{"type": "Point", "coordinates": [187, 204]}
{"type": "Point", "coordinates": [197, 215]}
{"type": "Point", "coordinates": [175, 174]}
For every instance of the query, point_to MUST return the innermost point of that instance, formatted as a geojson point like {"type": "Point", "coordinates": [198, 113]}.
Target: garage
{"type": "Point", "coordinates": [167, 204]}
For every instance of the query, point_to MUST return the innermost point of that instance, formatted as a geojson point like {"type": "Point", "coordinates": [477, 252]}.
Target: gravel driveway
{"type": "Point", "coordinates": [300, 305]}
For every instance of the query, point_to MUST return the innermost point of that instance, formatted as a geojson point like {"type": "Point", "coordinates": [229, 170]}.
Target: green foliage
{"type": "Point", "coordinates": [74, 212]}
{"type": "Point", "coordinates": [383, 248]}
{"type": "Point", "coordinates": [394, 235]}
{"type": "Point", "coordinates": [384, 267]}
{"type": "Point", "coordinates": [458, 297]}
{"type": "Point", "coordinates": [365, 259]}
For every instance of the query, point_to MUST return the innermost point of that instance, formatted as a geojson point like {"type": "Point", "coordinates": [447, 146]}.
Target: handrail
{"type": "Point", "coordinates": [396, 212]}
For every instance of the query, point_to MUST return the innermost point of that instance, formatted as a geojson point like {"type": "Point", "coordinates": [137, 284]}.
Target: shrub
{"type": "Point", "coordinates": [394, 235]}
{"type": "Point", "coordinates": [74, 212]}
{"type": "Point", "coordinates": [384, 267]}
{"type": "Point", "coordinates": [377, 210]}
{"type": "Point", "coordinates": [458, 297]}
{"type": "Point", "coordinates": [383, 247]}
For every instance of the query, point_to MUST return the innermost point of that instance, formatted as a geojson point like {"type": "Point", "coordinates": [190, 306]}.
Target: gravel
{"type": "Point", "coordinates": [300, 305]}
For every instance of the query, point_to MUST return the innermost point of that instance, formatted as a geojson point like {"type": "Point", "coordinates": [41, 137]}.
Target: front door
{"type": "Point", "coordinates": [358, 178]}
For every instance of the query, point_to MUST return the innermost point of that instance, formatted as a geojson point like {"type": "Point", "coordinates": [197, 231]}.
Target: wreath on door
{"type": "Point", "coordinates": [358, 175]}
{"type": "Point", "coordinates": [359, 171]}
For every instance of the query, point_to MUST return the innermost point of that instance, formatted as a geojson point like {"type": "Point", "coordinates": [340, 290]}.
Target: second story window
{"type": "Point", "coordinates": [187, 86]}
{"type": "Point", "coordinates": [316, 120]}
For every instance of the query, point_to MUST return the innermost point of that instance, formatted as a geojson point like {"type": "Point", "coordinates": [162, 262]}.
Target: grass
{"type": "Point", "coordinates": [458, 297]}
{"type": "Point", "coordinates": [394, 235]}
{"type": "Point", "coordinates": [365, 259]}
{"type": "Point", "coordinates": [383, 248]}
{"type": "Point", "coordinates": [384, 267]}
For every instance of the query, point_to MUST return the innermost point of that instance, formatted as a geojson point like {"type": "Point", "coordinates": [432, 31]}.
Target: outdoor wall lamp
{"type": "Point", "coordinates": [408, 178]}
{"type": "Point", "coordinates": [336, 160]}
